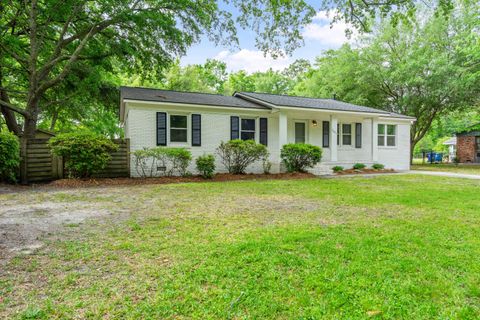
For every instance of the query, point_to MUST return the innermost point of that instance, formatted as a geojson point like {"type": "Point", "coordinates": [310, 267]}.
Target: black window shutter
{"type": "Point", "coordinates": [358, 135]}
{"type": "Point", "coordinates": [161, 128]}
{"type": "Point", "coordinates": [264, 131]}
{"type": "Point", "coordinates": [326, 134]}
{"type": "Point", "coordinates": [234, 128]}
{"type": "Point", "coordinates": [196, 130]}
{"type": "Point", "coordinates": [338, 133]}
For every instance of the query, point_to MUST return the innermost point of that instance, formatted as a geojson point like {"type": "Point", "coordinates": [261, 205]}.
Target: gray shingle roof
{"type": "Point", "coordinates": [239, 100]}
{"type": "Point", "coordinates": [315, 103]}
{"type": "Point", "coordinates": [158, 95]}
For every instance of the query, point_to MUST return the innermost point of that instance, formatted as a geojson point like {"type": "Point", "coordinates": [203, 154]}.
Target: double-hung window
{"type": "Point", "coordinates": [178, 128]}
{"type": "Point", "coordinates": [344, 134]}
{"type": "Point", "coordinates": [247, 129]}
{"type": "Point", "coordinates": [387, 135]}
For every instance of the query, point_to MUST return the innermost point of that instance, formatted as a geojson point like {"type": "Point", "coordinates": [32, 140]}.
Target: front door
{"type": "Point", "coordinates": [300, 133]}
{"type": "Point", "coordinates": [477, 149]}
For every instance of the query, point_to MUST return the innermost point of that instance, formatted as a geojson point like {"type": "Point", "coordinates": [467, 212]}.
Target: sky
{"type": "Point", "coordinates": [318, 37]}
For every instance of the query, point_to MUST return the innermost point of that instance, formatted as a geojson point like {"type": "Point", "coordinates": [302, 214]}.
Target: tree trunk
{"type": "Point", "coordinates": [30, 126]}
{"type": "Point", "coordinates": [412, 148]}
{"type": "Point", "coordinates": [8, 114]}
{"type": "Point", "coordinates": [11, 121]}
{"type": "Point", "coordinates": [54, 121]}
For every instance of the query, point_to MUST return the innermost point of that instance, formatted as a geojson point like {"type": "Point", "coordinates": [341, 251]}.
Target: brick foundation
{"type": "Point", "coordinates": [466, 149]}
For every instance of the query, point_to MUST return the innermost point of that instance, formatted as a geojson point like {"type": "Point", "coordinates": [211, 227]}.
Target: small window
{"type": "Point", "coordinates": [299, 132]}
{"type": "Point", "coordinates": [178, 128]}
{"type": "Point", "coordinates": [387, 135]}
{"type": "Point", "coordinates": [346, 134]}
{"type": "Point", "coordinates": [247, 129]}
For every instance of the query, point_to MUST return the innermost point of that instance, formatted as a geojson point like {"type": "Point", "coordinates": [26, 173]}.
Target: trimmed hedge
{"type": "Point", "coordinates": [237, 155]}
{"type": "Point", "coordinates": [9, 157]}
{"type": "Point", "coordinates": [378, 166]}
{"type": "Point", "coordinates": [84, 153]}
{"type": "Point", "coordinates": [298, 157]}
{"type": "Point", "coordinates": [206, 165]}
{"type": "Point", "coordinates": [174, 160]}
{"type": "Point", "coordinates": [337, 168]}
{"type": "Point", "coordinates": [359, 166]}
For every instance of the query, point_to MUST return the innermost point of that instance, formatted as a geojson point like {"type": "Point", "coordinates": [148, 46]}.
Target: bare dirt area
{"type": "Point", "coordinates": [29, 218]}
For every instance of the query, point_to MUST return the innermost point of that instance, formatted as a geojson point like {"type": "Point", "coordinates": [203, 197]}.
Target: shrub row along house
{"type": "Point", "coordinates": [347, 133]}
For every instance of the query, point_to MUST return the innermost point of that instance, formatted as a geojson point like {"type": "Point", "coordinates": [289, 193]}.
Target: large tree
{"type": "Point", "coordinates": [43, 42]}
{"type": "Point", "coordinates": [426, 69]}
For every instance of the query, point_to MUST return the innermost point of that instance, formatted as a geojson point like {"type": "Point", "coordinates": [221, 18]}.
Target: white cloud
{"type": "Point", "coordinates": [330, 37]}
{"type": "Point", "coordinates": [252, 60]}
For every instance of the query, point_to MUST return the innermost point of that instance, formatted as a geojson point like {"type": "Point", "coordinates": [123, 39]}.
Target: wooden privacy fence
{"type": "Point", "coordinates": [119, 165]}
{"type": "Point", "coordinates": [38, 164]}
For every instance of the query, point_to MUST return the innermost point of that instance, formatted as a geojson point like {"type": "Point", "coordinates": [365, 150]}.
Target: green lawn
{"type": "Point", "coordinates": [389, 247]}
{"type": "Point", "coordinates": [469, 169]}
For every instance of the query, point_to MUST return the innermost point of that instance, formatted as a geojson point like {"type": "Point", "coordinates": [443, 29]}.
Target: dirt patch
{"type": "Point", "coordinates": [23, 228]}
{"type": "Point", "coordinates": [75, 183]}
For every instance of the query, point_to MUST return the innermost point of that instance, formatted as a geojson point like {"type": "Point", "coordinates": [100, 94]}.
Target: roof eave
{"type": "Point", "coordinates": [325, 110]}
{"type": "Point", "coordinates": [192, 105]}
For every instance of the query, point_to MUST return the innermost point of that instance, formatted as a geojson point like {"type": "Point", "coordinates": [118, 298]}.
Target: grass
{"type": "Point", "coordinates": [396, 247]}
{"type": "Point", "coordinates": [468, 169]}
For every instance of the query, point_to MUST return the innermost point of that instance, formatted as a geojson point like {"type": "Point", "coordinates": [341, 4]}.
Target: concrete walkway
{"type": "Point", "coordinates": [446, 174]}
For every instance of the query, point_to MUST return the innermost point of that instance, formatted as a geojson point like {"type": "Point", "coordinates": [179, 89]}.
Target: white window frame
{"type": "Point", "coordinates": [254, 131]}
{"type": "Point", "coordinates": [340, 135]}
{"type": "Point", "coordinates": [306, 129]}
{"type": "Point", "coordinates": [179, 143]}
{"type": "Point", "coordinates": [385, 135]}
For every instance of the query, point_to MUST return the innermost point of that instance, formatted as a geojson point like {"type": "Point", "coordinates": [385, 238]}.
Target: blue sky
{"type": "Point", "coordinates": [318, 37]}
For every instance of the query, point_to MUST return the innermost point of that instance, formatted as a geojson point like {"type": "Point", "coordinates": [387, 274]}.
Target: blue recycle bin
{"type": "Point", "coordinates": [434, 157]}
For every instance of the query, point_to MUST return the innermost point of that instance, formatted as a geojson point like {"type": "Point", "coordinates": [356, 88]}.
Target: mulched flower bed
{"type": "Point", "coordinates": [364, 171]}
{"type": "Point", "coordinates": [94, 182]}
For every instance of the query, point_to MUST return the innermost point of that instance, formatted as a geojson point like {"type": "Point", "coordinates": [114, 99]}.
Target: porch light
{"type": "Point", "coordinates": [314, 123]}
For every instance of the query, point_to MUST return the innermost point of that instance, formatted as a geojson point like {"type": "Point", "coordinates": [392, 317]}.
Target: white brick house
{"type": "Point", "coordinates": [199, 122]}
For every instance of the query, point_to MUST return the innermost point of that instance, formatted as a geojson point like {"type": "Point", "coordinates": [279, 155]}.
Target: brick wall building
{"type": "Point", "coordinates": [468, 146]}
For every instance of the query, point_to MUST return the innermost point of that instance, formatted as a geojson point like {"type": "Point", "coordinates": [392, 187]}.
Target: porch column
{"type": "Point", "coordinates": [333, 139]}
{"type": "Point", "coordinates": [374, 139]}
{"type": "Point", "coordinates": [282, 129]}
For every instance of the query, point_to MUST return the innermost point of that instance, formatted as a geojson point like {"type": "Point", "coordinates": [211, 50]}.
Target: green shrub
{"type": "Point", "coordinates": [237, 155]}
{"type": "Point", "coordinates": [84, 153]}
{"type": "Point", "coordinates": [142, 159]}
{"type": "Point", "coordinates": [337, 168]}
{"type": "Point", "coordinates": [300, 156]}
{"type": "Point", "coordinates": [359, 166]}
{"type": "Point", "coordinates": [378, 166]}
{"type": "Point", "coordinates": [206, 165]}
{"type": "Point", "coordinates": [174, 160]}
{"type": "Point", "coordinates": [456, 160]}
{"type": "Point", "coordinates": [179, 159]}
{"type": "Point", "coordinates": [9, 157]}
{"type": "Point", "coordinates": [266, 165]}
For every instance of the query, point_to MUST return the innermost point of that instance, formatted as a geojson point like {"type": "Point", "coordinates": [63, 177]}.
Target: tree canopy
{"type": "Point", "coordinates": [60, 58]}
